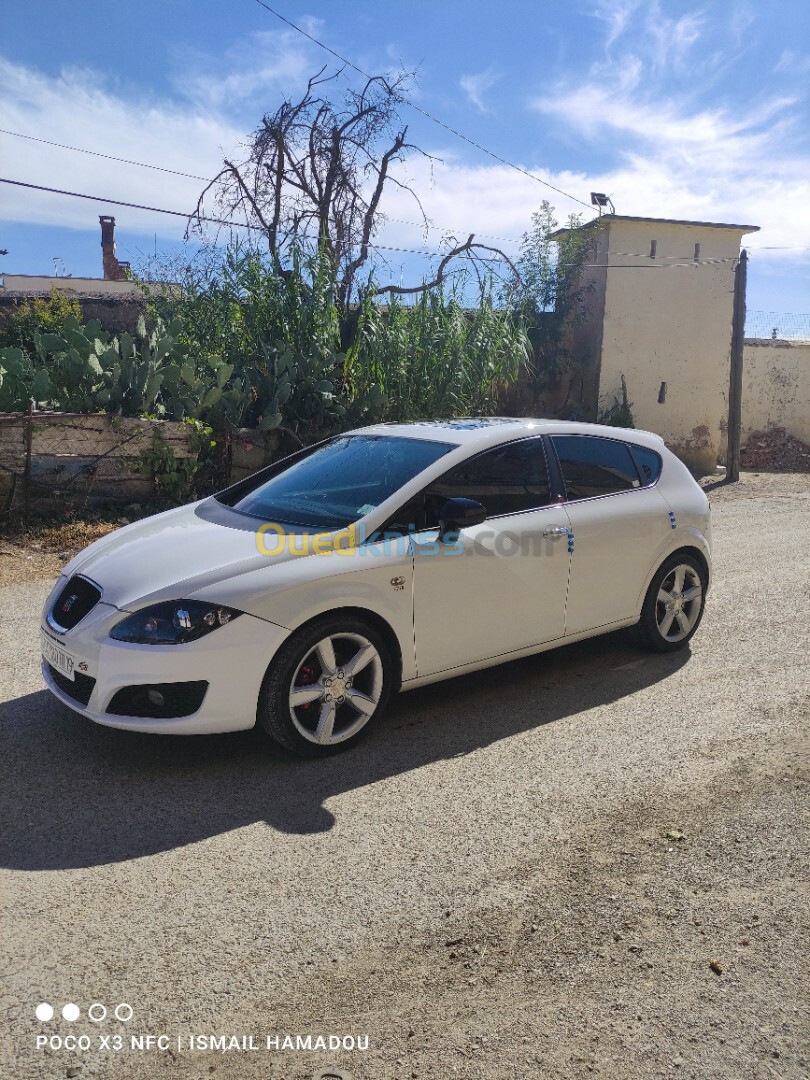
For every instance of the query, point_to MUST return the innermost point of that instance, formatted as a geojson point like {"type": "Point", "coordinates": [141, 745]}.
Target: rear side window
{"type": "Point", "coordinates": [592, 466]}
{"type": "Point", "coordinates": [648, 463]}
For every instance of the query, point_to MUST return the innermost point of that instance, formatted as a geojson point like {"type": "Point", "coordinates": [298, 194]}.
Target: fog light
{"type": "Point", "coordinates": [156, 698]}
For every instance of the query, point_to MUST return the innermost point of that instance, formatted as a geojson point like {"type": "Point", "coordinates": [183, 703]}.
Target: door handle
{"type": "Point", "coordinates": [556, 530]}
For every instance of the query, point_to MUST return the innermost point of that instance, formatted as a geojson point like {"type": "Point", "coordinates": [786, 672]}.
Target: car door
{"type": "Point", "coordinates": [618, 522]}
{"type": "Point", "coordinates": [501, 586]}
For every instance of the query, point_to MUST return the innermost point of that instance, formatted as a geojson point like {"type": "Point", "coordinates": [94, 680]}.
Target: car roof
{"type": "Point", "coordinates": [490, 430]}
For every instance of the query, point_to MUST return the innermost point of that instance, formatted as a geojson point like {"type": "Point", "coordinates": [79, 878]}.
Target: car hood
{"type": "Point", "coordinates": [174, 554]}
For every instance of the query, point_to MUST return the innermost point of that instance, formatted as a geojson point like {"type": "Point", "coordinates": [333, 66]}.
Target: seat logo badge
{"type": "Point", "coordinates": [68, 604]}
{"type": "Point", "coordinates": [82, 666]}
{"type": "Point", "coordinates": [398, 583]}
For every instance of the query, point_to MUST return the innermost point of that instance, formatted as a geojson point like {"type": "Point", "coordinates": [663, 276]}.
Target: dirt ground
{"type": "Point", "coordinates": [591, 863]}
{"type": "Point", "coordinates": [42, 551]}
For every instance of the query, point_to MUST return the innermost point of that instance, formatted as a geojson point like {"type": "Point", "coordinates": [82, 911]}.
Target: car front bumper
{"type": "Point", "coordinates": [232, 660]}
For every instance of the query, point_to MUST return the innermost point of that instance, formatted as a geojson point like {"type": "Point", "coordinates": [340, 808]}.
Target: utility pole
{"type": "Point", "coordinates": [736, 371]}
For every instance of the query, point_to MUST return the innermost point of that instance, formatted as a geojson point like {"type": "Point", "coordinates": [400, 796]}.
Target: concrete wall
{"type": "Point", "coordinates": [33, 285]}
{"type": "Point", "coordinates": [672, 324]}
{"type": "Point", "coordinates": [776, 387]}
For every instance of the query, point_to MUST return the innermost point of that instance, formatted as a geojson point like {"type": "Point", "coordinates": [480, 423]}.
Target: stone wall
{"type": "Point", "coordinates": [78, 458]}
{"type": "Point", "coordinates": [114, 312]}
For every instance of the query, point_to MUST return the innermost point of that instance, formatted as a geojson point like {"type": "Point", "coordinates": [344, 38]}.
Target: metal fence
{"type": "Point", "coordinates": [779, 325]}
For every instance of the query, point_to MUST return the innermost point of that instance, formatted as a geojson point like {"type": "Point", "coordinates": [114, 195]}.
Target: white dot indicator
{"type": "Point", "coordinates": [44, 1012]}
{"type": "Point", "coordinates": [97, 1012]}
{"type": "Point", "coordinates": [123, 1012]}
{"type": "Point", "coordinates": [71, 1012]}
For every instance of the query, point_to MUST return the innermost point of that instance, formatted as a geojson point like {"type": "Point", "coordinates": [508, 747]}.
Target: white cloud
{"type": "Point", "coordinates": [497, 202]}
{"type": "Point", "coordinates": [218, 101]}
{"type": "Point", "coordinates": [671, 40]}
{"type": "Point", "coordinates": [617, 14]}
{"type": "Point", "coordinates": [494, 202]}
{"type": "Point", "coordinates": [674, 155]}
{"type": "Point", "coordinates": [664, 42]}
{"type": "Point", "coordinates": [246, 74]}
{"type": "Point", "coordinates": [604, 112]}
{"type": "Point", "coordinates": [79, 109]}
{"type": "Point", "coordinates": [792, 63]}
{"type": "Point", "coordinates": [743, 18]}
{"type": "Point", "coordinates": [475, 86]}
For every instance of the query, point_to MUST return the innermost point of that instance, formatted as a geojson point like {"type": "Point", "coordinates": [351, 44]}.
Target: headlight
{"type": "Point", "coordinates": [173, 623]}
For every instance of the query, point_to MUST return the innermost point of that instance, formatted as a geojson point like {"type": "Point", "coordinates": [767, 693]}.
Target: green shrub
{"type": "Point", "coordinates": [243, 346]}
{"type": "Point", "coordinates": [433, 359]}
{"type": "Point", "coordinates": [38, 316]}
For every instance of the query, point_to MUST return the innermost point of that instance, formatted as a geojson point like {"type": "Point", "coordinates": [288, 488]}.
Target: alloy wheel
{"type": "Point", "coordinates": [336, 689]}
{"type": "Point", "coordinates": [679, 603]}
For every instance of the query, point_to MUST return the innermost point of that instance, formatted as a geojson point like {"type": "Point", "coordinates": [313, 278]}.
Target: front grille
{"type": "Point", "coordinates": [79, 688]}
{"type": "Point", "coordinates": [179, 699]}
{"type": "Point", "coordinates": [77, 599]}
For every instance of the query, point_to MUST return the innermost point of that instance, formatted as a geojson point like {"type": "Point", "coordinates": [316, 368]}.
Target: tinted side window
{"type": "Point", "coordinates": [506, 480]}
{"type": "Point", "coordinates": [648, 462]}
{"type": "Point", "coordinates": [593, 466]}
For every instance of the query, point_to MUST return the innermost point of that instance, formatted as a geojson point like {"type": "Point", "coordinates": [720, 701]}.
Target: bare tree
{"type": "Point", "coordinates": [315, 174]}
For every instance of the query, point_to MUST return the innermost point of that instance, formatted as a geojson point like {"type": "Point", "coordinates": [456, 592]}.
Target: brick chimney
{"type": "Point", "coordinates": [113, 269]}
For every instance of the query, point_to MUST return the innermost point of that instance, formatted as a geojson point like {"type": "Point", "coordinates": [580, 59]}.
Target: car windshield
{"type": "Point", "coordinates": [341, 481]}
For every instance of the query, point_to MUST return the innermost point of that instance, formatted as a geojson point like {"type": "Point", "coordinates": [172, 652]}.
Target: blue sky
{"type": "Point", "coordinates": [677, 110]}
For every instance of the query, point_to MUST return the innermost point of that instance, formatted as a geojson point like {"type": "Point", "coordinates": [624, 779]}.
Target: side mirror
{"type": "Point", "coordinates": [458, 514]}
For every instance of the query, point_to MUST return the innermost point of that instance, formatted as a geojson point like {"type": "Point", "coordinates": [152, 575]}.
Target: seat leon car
{"type": "Point", "coordinates": [387, 558]}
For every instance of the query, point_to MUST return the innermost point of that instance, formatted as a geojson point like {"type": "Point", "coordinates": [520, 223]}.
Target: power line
{"type": "Point", "coordinates": [424, 112]}
{"type": "Point", "coordinates": [201, 217]}
{"type": "Point", "coordinates": [653, 260]}
{"type": "Point", "coordinates": [376, 247]}
{"type": "Point", "coordinates": [97, 153]}
{"type": "Point", "coordinates": [121, 202]}
{"type": "Point", "coordinates": [207, 180]}
{"type": "Point", "coordinates": [664, 266]}
{"type": "Point", "coordinates": [451, 229]}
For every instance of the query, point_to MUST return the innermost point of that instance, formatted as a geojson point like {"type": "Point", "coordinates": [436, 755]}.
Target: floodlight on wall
{"type": "Point", "coordinates": [601, 200]}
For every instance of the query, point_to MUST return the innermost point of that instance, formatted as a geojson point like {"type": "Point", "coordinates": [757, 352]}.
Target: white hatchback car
{"type": "Point", "coordinates": [379, 560]}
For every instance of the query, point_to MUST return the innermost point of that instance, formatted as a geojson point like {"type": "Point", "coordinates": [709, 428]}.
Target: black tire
{"type": "Point", "coordinates": [298, 660]}
{"type": "Point", "coordinates": [650, 629]}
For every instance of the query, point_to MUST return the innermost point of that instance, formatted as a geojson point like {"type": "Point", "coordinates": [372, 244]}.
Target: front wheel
{"type": "Point", "coordinates": [325, 685]}
{"type": "Point", "coordinates": [673, 606]}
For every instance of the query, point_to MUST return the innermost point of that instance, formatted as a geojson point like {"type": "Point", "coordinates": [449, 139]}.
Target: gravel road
{"type": "Point", "coordinates": [588, 863]}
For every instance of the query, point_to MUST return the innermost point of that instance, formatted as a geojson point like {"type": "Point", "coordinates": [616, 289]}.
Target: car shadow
{"type": "Point", "coordinates": [78, 795]}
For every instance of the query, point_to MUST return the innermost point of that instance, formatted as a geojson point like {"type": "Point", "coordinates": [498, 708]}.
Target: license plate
{"type": "Point", "coordinates": [57, 657]}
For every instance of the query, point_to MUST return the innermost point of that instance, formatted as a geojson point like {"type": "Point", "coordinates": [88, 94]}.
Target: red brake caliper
{"type": "Point", "coordinates": [306, 677]}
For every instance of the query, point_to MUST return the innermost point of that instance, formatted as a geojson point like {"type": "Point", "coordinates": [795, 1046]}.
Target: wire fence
{"type": "Point", "coordinates": [49, 458]}
{"type": "Point", "coordinates": [778, 325]}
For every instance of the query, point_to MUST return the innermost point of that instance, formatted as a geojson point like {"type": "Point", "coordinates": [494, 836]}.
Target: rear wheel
{"type": "Point", "coordinates": [325, 685]}
{"type": "Point", "coordinates": [673, 606]}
